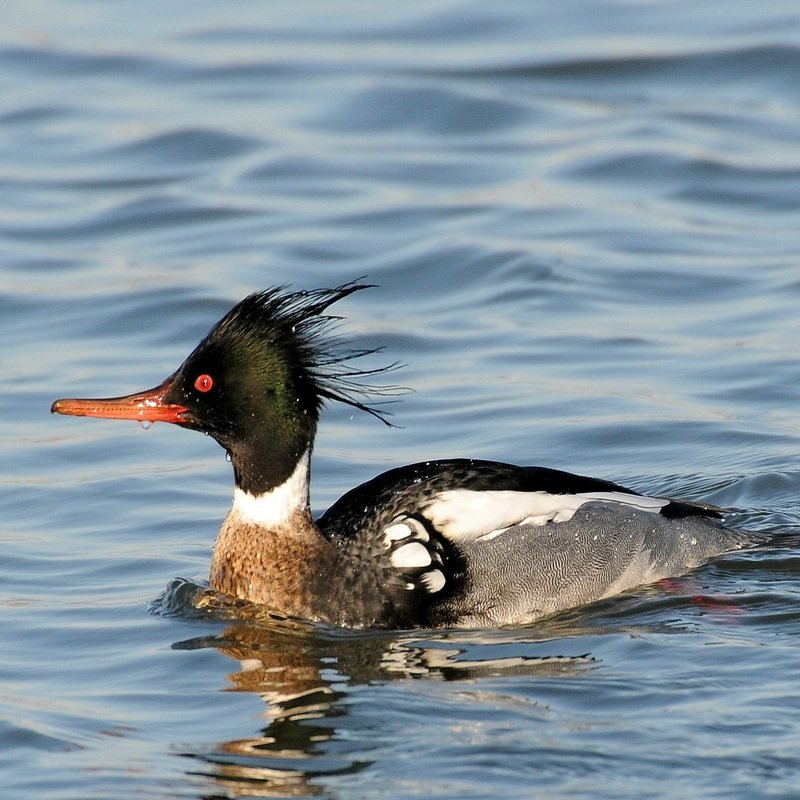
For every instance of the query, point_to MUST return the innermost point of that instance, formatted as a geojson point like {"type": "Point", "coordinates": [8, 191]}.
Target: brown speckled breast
{"type": "Point", "coordinates": [281, 568]}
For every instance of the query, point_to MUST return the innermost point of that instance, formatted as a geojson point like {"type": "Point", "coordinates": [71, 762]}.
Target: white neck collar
{"type": "Point", "coordinates": [277, 506]}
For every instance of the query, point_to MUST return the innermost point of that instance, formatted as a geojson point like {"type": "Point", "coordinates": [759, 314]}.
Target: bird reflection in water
{"type": "Point", "coordinates": [305, 674]}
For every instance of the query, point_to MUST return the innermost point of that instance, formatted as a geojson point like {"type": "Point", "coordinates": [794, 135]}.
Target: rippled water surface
{"type": "Point", "coordinates": [583, 220]}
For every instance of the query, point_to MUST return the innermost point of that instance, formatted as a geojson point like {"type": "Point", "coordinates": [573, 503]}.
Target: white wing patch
{"type": "Point", "coordinates": [433, 580]}
{"type": "Point", "coordinates": [413, 552]}
{"type": "Point", "coordinates": [469, 515]}
{"type": "Point", "coordinates": [402, 530]}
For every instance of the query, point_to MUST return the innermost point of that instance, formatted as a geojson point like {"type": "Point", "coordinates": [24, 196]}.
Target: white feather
{"type": "Point", "coordinates": [404, 527]}
{"type": "Point", "coordinates": [433, 580]}
{"type": "Point", "coordinates": [275, 507]}
{"type": "Point", "coordinates": [412, 554]}
{"type": "Point", "coordinates": [395, 532]}
{"type": "Point", "coordinates": [466, 514]}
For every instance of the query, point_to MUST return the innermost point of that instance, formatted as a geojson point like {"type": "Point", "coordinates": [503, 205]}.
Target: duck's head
{"type": "Point", "coordinates": [256, 383]}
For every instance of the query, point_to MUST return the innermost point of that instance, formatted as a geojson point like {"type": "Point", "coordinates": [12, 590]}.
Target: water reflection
{"type": "Point", "coordinates": [307, 677]}
{"type": "Point", "coordinates": [279, 664]}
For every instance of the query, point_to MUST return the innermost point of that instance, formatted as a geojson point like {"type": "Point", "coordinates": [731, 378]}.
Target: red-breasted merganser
{"type": "Point", "coordinates": [448, 543]}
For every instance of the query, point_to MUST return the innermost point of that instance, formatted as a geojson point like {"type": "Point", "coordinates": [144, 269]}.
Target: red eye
{"type": "Point", "coordinates": [204, 383]}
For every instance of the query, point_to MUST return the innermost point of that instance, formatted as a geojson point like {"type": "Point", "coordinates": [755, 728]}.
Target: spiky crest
{"type": "Point", "coordinates": [295, 323]}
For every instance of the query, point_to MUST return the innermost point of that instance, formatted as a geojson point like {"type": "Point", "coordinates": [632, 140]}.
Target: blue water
{"type": "Point", "coordinates": [583, 220]}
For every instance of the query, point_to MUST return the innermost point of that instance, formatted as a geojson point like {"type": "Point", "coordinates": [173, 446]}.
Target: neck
{"type": "Point", "coordinates": [276, 507]}
{"type": "Point", "coordinates": [263, 461]}
{"type": "Point", "coordinates": [269, 550]}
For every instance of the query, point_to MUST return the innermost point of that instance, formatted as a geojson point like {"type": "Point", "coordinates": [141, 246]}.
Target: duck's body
{"type": "Point", "coordinates": [462, 543]}
{"type": "Point", "coordinates": [437, 544]}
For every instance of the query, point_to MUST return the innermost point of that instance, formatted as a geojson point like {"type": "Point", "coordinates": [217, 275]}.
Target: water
{"type": "Point", "coordinates": [583, 221]}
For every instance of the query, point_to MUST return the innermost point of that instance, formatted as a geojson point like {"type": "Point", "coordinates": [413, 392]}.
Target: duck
{"type": "Point", "coordinates": [449, 543]}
